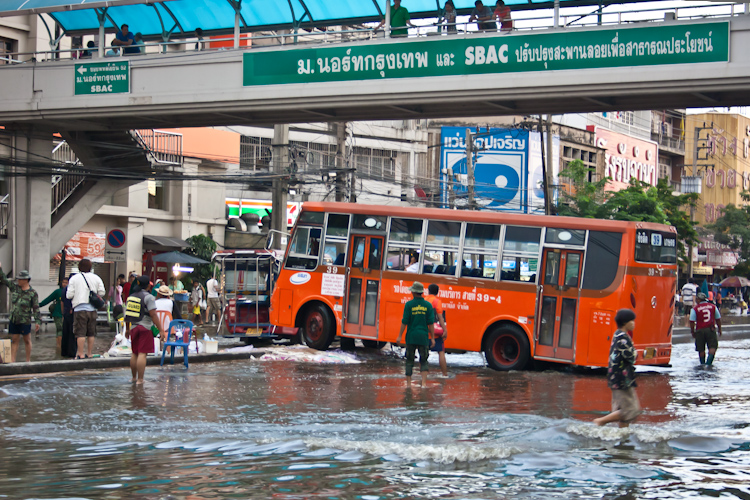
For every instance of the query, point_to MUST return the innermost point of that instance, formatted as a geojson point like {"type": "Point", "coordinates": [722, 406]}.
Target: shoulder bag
{"type": "Point", "coordinates": [96, 301]}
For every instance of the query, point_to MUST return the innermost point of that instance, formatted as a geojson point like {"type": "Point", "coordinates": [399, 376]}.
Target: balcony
{"type": "Point", "coordinates": [675, 145]}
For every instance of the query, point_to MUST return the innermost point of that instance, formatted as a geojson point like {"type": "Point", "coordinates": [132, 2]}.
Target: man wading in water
{"type": "Point", "coordinates": [418, 321]}
{"type": "Point", "coordinates": [140, 316]}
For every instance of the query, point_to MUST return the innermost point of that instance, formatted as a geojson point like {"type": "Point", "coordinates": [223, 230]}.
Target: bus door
{"type": "Point", "coordinates": [558, 303]}
{"type": "Point", "coordinates": [364, 265]}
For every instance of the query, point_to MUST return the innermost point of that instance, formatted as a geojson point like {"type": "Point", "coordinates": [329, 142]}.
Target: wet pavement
{"type": "Point", "coordinates": [255, 429]}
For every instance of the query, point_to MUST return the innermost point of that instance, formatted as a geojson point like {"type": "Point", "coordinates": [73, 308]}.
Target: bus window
{"type": "Point", "coordinates": [334, 253]}
{"type": "Point", "coordinates": [565, 236]}
{"type": "Point", "coordinates": [311, 218]}
{"type": "Point", "coordinates": [654, 246]}
{"type": "Point", "coordinates": [522, 239]}
{"type": "Point", "coordinates": [398, 258]}
{"type": "Point", "coordinates": [358, 259]}
{"type": "Point", "coordinates": [406, 230]}
{"type": "Point", "coordinates": [376, 254]}
{"type": "Point", "coordinates": [479, 265]}
{"type": "Point", "coordinates": [519, 269]}
{"type": "Point", "coordinates": [445, 234]}
{"type": "Point", "coordinates": [552, 268]}
{"type": "Point", "coordinates": [369, 222]}
{"type": "Point", "coordinates": [303, 252]}
{"type": "Point", "coordinates": [572, 269]}
{"type": "Point", "coordinates": [440, 261]}
{"type": "Point", "coordinates": [338, 225]}
{"type": "Point", "coordinates": [482, 237]}
{"type": "Point", "coordinates": [602, 259]}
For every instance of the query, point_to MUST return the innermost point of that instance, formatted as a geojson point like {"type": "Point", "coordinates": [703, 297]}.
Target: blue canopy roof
{"type": "Point", "coordinates": [152, 18]}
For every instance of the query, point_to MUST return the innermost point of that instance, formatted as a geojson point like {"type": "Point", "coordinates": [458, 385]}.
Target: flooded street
{"type": "Point", "coordinates": [288, 430]}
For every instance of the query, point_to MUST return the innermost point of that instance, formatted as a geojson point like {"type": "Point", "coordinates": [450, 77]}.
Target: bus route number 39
{"type": "Point", "coordinates": [332, 270]}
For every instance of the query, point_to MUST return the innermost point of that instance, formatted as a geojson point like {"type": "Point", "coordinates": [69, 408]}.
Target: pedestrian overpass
{"type": "Point", "coordinates": [670, 64]}
{"type": "Point", "coordinates": [674, 64]}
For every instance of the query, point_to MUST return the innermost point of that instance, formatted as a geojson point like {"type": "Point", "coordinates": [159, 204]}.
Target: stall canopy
{"type": "Point", "coordinates": [155, 18]}
{"type": "Point", "coordinates": [177, 258]}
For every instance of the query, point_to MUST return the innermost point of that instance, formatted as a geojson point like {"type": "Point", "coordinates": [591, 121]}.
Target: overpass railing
{"type": "Point", "coordinates": [571, 17]}
{"type": "Point", "coordinates": [4, 215]}
{"type": "Point", "coordinates": [164, 148]}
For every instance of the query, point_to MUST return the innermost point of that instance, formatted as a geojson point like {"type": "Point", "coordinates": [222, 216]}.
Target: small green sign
{"type": "Point", "coordinates": [105, 77]}
{"type": "Point", "coordinates": [509, 53]}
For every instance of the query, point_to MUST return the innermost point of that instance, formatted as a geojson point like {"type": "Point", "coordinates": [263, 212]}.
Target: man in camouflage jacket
{"type": "Point", "coordinates": [24, 302]}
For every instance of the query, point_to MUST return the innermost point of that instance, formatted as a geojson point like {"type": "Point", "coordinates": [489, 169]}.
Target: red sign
{"type": "Point", "coordinates": [721, 259]}
{"type": "Point", "coordinates": [84, 245]}
{"type": "Point", "coordinates": [627, 157]}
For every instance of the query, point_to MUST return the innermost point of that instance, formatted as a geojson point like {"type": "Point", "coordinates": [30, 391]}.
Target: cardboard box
{"type": "Point", "coordinates": [5, 352]}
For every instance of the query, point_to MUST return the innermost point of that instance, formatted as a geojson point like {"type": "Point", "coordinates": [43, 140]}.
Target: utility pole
{"type": "Point", "coordinates": [341, 176]}
{"type": "Point", "coordinates": [550, 165]}
{"type": "Point", "coordinates": [694, 186]}
{"type": "Point", "coordinates": [470, 168]}
{"type": "Point", "coordinates": [545, 182]}
{"type": "Point", "coordinates": [281, 181]}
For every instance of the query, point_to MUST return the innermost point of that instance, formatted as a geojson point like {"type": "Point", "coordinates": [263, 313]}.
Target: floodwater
{"type": "Point", "coordinates": [290, 431]}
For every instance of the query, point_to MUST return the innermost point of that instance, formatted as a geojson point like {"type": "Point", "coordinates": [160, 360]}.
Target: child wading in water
{"type": "Point", "coordinates": [621, 373]}
{"type": "Point", "coordinates": [419, 323]}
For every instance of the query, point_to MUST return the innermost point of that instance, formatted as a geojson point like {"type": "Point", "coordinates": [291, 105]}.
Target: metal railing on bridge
{"type": "Point", "coordinates": [4, 215]}
{"type": "Point", "coordinates": [572, 17]}
{"type": "Point", "coordinates": [164, 148]}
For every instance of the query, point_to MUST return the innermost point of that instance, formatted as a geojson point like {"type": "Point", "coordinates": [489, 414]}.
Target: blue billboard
{"type": "Point", "coordinates": [503, 162]}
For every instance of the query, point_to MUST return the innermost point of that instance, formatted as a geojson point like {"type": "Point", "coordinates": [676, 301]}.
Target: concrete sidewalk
{"type": "Point", "coordinates": [66, 365]}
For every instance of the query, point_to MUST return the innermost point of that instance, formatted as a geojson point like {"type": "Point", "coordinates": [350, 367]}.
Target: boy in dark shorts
{"type": "Point", "coordinates": [440, 335]}
{"type": "Point", "coordinates": [704, 318]}
{"type": "Point", "coordinates": [621, 373]}
{"type": "Point", "coordinates": [418, 321]}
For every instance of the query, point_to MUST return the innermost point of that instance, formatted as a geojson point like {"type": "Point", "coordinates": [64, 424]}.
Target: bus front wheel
{"type": "Point", "coordinates": [507, 348]}
{"type": "Point", "coordinates": [318, 328]}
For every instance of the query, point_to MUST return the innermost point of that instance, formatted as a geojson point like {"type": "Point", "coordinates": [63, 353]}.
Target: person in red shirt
{"type": "Point", "coordinates": [126, 286]}
{"type": "Point", "coordinates": [705, 318]}
{"type": "Point", "coordinates": [441, 331]}
{"type": "Point", "coordinates": [502, 16]}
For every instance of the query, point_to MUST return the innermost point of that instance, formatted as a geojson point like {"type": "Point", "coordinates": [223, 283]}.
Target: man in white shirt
{"type": "Point", "coordinates": [689, 290]}
{"type": "Point", "coordinates": [84, 314]}
{"type": "Point", "coordinates": [214, 304]}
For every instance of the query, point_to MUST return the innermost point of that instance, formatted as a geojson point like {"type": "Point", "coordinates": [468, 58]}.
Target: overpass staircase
{"type": "Point", "coordinates": [100, 163]}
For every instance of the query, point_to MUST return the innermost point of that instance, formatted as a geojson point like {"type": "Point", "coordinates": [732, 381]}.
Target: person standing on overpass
{"type": "Point", "coordinates": [704, 318]}
{"type": "Point", "coordinates": [399, 20]}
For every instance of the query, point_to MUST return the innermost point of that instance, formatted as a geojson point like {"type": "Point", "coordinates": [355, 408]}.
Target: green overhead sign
{"type": "Point", "coordinates": [447, 55]}
{"type": "Point", "coordinates": [105, 77]}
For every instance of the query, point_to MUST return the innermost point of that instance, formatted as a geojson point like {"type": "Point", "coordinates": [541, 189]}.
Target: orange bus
{"type": "Point", "coordinates": [515, 287]}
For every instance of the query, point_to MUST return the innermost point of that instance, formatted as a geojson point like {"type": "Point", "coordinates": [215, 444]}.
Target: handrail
{"type": "Point", "coordinates": [163, 147]}
{"type": "Point", "coordinates": [523, 21]}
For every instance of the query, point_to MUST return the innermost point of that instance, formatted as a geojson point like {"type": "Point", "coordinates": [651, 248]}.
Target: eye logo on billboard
{"type": "Point", "coordinates": [496, 184]}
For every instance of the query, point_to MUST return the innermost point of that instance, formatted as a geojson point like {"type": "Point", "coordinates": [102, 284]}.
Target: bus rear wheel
{"type": "Point", "coordinates": [317, 327]}
{"type": "Point", "coordinates": [507, 348]}
{"type": "Point", "coordinates": [373, 344]}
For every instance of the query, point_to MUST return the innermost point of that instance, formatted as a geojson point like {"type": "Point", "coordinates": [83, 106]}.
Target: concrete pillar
{"type": "Point", "coordinates": [32, 211]}
{"type": "Point", "coordinates": [280, 184]}
{"type": "Point", "coordinates": [135, 244]}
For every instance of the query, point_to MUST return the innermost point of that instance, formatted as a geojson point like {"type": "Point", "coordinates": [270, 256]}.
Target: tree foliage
{"type": "Point", "coordinates": [638, 202]}
{"type": "Point", "coordinates": [203, 247]}
{"type": "Point", "coordinates": [733, 229]}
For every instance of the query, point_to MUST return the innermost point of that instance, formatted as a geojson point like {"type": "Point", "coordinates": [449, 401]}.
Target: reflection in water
{"type": "Point", "coordinates": [287, 430]}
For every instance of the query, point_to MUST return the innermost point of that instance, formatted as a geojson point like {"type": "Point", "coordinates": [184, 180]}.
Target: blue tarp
{"type": "Point", "coordinates": [184, 16]}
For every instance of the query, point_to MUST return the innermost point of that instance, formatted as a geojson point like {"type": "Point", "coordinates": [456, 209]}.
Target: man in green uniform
{"type": "Point", "coordinates": [418, 321]}
{"type": "Point", "coordinates": [24, 302]}
{"type": "Point", "coordinates": [399, 20]}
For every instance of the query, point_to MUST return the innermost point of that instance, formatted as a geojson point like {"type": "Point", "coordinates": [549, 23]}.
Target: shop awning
{"type": "Point", "coordinates": [166, 242]}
